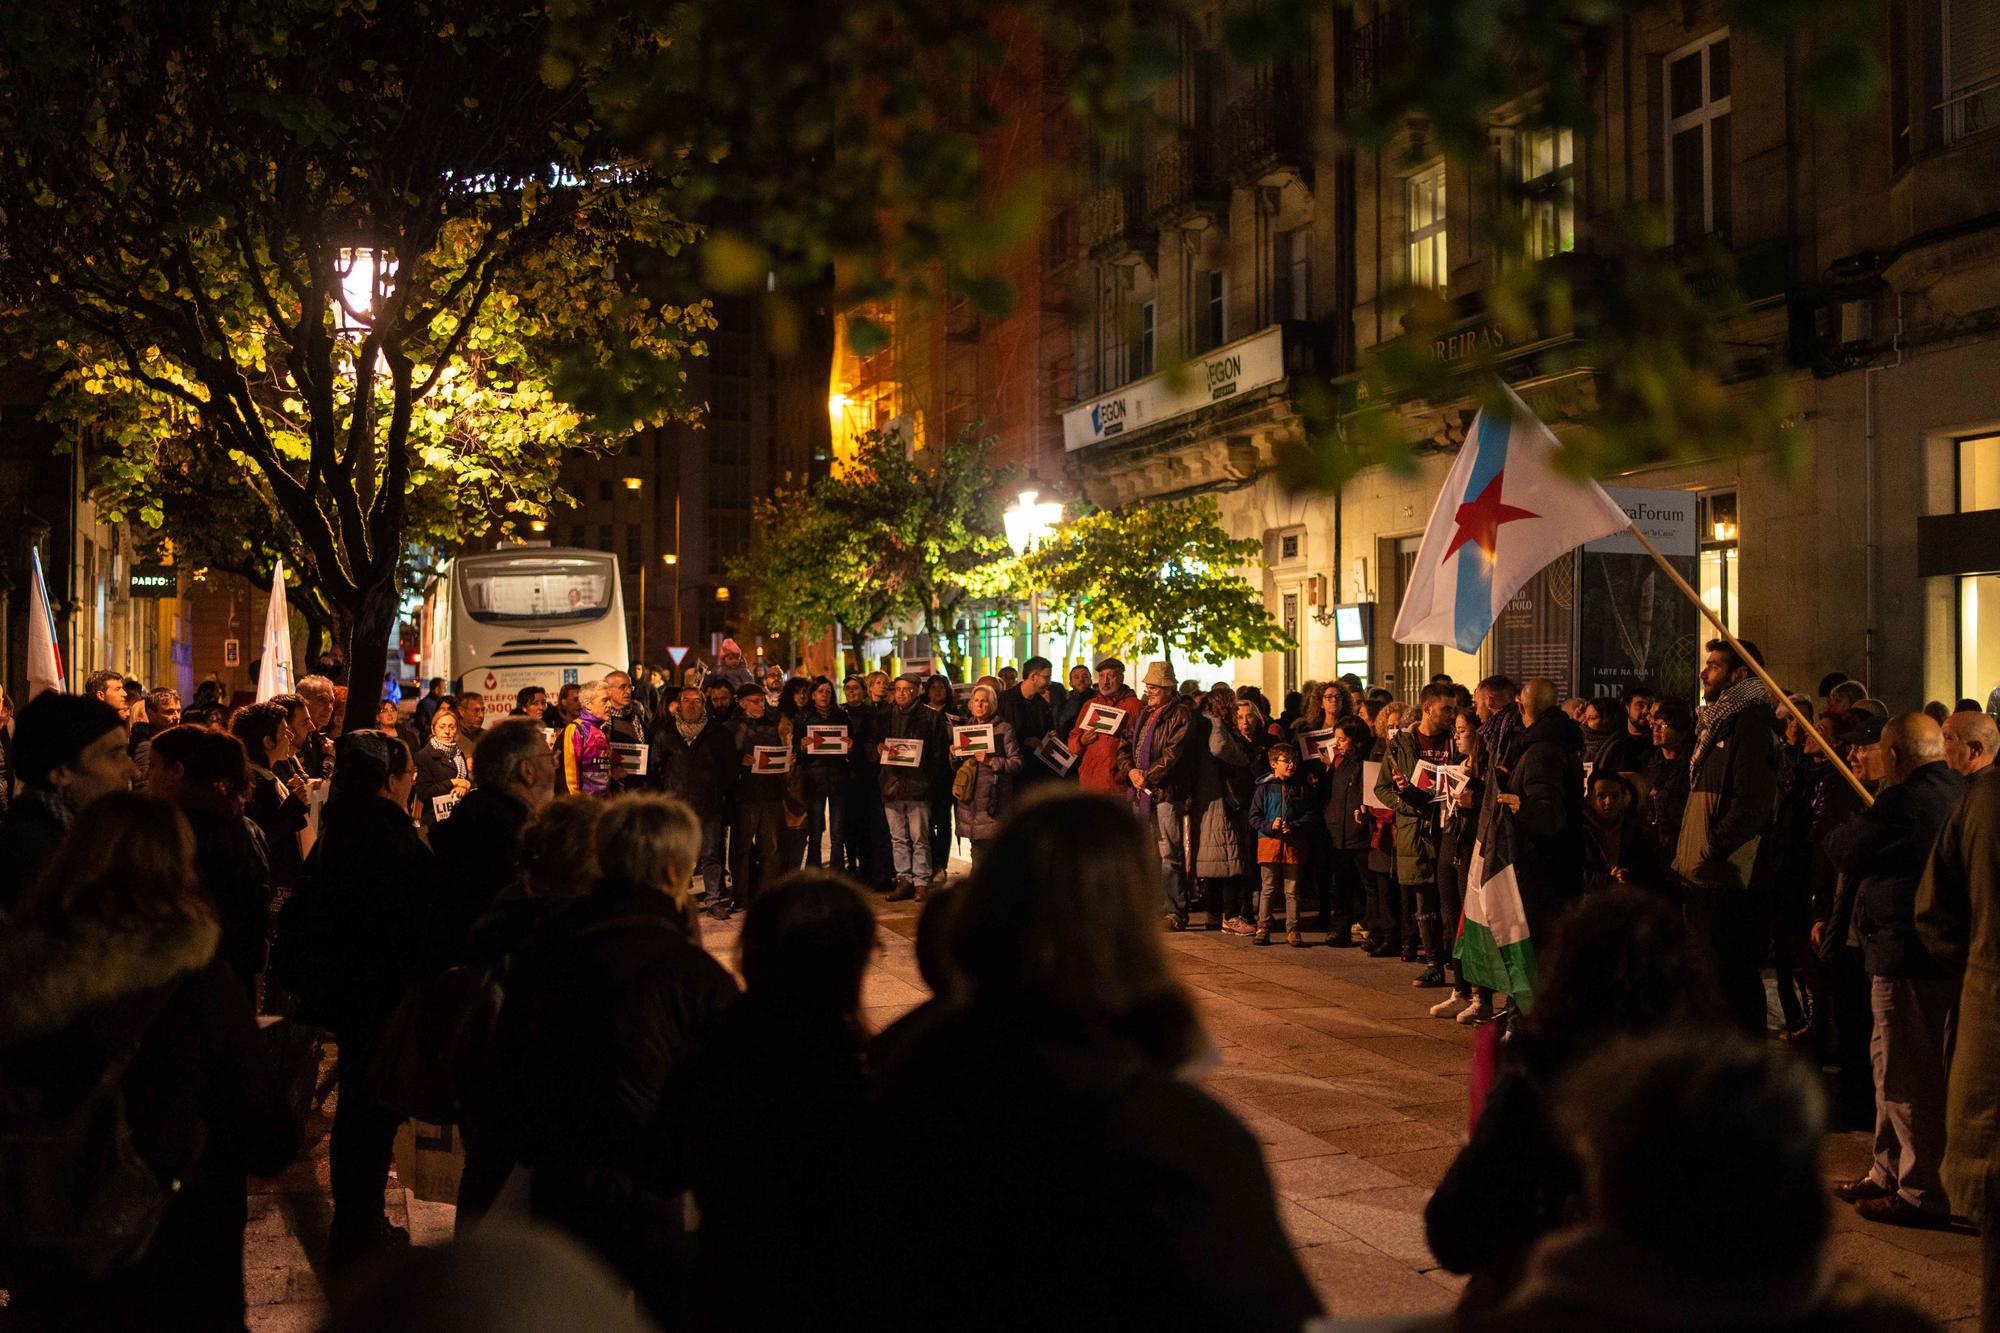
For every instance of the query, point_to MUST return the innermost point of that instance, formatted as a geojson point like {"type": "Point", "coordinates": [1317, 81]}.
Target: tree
{"type": "Point", "coordinates": [1156, 576]}
{"type": "Point", "coordinates": [912, 531]}
{"type": "Point", "coordinates": [362, 250]}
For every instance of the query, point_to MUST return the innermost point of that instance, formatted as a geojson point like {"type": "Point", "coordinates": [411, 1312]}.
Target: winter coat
{"type": "Point", "coordinates": [1223, 780]}
{"type": "Point", "coordinates": [231, 860]}
{"type": "Point", "coordinates": [992, 786]}
{"type": "Point", "coordinates": [703, 774]}
{"type": "Point", "coordinates": [824, 773]}
{"type": "Point", "coordinates": [1271, 801]}
{"type": "Point", "coordinates": [1883, 851]}
{"type": "Point", "coordinates": [36, 824]}
{"type": "Point", "coordinates": [1632, 850]}
{"type": "Point", "coordinates": [1345, 800]}
{"type": "Point", "coordinates": [927, 725]}
{"type": "Point", "coordinates": [763, 733]}
{"type": "Point", "coordinates": [1666, 798]}
{"type": "Point", "coordinates": [600, 1014]}
{"type": "Point", "coordinates": [1172, 738]}
{"type": "Point", "coordinates": [369, 888]}
{"type": "Point", "coordinates": [435, 770]}
{"type": "Point", "coordinates": [1544, 767]}
{"type": "Point", "coordinates": [1415, 820]}
{"type": "Point", "coordinates": [477, 853]}
{"type": "Point", "coordinates": [280, 816]}
{"type": "Point", "coordinates": [1031, 720]}
{"type": "Point", "coordinates": [586, 755]}
{"type": "Point", "coordinates": [1150, 1179]}
{"type": "Point", "coordinates": [1097, 765]}
{"type": "Point", "coordinates": [203, 1098]}
{"type": "Point", "coordinates": [1737, 784]}
{"type": "Point", "coordinates": [1958, 922]}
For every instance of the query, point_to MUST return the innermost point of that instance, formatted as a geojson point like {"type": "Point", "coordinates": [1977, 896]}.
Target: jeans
{"type": "Point", "coordinates": [758, 826]}
{"type": "Point", "coordinates": [909, 837]}
{"type": "Point", "coordinates": [1170, 831]}
{"type": "Point", "coordinates": [826, 811]}
{"type": "Point", "coordinates": [708, 860]}
{"type": "Point", "coordinates": [1278, 882]}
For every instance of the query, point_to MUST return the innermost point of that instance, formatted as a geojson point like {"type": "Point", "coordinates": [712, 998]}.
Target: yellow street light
{"type": "Point", "coordinates": [633, 483]}
{"type": "Point", "coordinates": [722, 593]}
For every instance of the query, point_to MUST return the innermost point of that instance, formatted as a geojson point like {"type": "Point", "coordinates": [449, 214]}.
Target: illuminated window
{"type": "Point", "coordinates": [1979, 594]}
{"type": "Point", "coordinates": [1428, 260]}
{"type": "Point", "coordinates": [1717, 511]}
{"type": "Point", "coordinates": [1541, 165]}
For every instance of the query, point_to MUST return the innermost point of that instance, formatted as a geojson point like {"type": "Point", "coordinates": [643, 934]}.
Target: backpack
{"type": "Point", "coordinates": [74, 1193]}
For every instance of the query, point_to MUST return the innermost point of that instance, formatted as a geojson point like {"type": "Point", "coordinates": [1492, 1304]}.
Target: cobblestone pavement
{"type": "Point", "coordinates": [1358, 1097]}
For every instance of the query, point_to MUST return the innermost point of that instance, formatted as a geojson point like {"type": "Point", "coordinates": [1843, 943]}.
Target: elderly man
{"type": "Point", "coordinates": [1958, 921]}
{"type": "Point", "coordinates": [1097, 768]}
{"type": "Point", "coordinates": [477, 849]}
{"type": "Point", "coordinates": [588, 761]}
{"type": "Point", "coordinates": [695, 760]}
{"type": "Point", "coordinates": [1157, 756]}
{"type": "Point", "coordinates": [316, 752]}
{"type": "Point", "coordinates": [1732, 798]}
{"type": "Point", "coordinates": [1970, 740]}
{"type": "Point", "coordinates": [1883, 852]}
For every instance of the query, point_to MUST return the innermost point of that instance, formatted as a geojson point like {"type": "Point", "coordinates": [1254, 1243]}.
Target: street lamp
{"type": "Point", "coordinates": [361, 275]}
{"type": "Point", "coordinates": [1029, 521]}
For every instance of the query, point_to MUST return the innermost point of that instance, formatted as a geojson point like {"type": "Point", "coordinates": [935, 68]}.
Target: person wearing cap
{"type": "Point", "coordinates": [1097, 754]}
{"type": "Point", "coordinates": [69, 750]}
{"type": "Point", "coordinates": [732, 667]}
{"type": "Point", "coordinates": [760, 798]}
{"type": "Point", "coordinates": [1882, 853]}
{"type": "Point", "coordinates": [1157, 756]}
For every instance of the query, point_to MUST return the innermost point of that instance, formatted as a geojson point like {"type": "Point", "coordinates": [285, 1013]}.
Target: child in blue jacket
{"type": "Point", "coordinates": [1280, 811]}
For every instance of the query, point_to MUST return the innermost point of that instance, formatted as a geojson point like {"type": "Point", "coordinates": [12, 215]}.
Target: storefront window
{"type": "Point", "coordinates": [1718, 555]}
{"type": "Point", "coordinates": [1978, 594]}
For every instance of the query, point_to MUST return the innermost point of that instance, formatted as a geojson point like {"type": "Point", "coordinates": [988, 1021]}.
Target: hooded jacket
{"type": "Point", "coordinates": [203, 1098]}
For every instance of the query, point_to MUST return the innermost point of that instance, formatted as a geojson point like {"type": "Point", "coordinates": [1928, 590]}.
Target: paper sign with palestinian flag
{"type": "Point", "coordinates": [771, 759]}
{"type": "Point", "coordinates": [974, 739]}
{"type": "Point", "coordinates": [1504, 512]}
{"type": "Point", "coordinates": [827, 738]}
{"type": "Point", "coordinates": [1494, 949]}
{"type": "Point", "coordinates": [1103, 719]}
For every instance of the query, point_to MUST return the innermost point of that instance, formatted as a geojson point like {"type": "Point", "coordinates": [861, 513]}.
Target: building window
{"type": "Point", "coordinates": [635, 549]}
{"type": "Point", "coordinates": [603, 536]}
{"type": "Point", "coordinates": [1429, 265]}
{"type": "Point", "coordinates": [1292, 273]}
{"type": "Point", "coordinates": [1697, 140]}
{"type": "Point", "coordinates": [1112, 351]}
{"type": "Point", "coordinates": [1145, 348]}
{"type": "Point", "coordinates": [576, 536]}
{"type": "Point", "coordinates": [604, 488]}
{"type": "Point", "coordinates": [1971, 67]}
{"type": "Point", "coordinates": [1541, 165]}
{"type": "Point", "coordinates": [1211, 309]}
{"type": "Point", "coordinates": [1979, 594]}
{"type": "Point", "coordinates": [1716, 516]}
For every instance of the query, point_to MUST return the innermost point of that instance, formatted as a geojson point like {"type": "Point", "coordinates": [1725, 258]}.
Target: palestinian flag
{"type": "Point", "coordinates": [1493, 945]}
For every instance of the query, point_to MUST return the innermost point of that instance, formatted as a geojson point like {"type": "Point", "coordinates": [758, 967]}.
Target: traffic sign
{"type": "Point", "coordinates": [675, 653]}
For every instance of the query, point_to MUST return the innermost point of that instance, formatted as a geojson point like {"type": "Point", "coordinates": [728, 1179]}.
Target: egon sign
{"type": "Point", "coordinates": [1249, 363]}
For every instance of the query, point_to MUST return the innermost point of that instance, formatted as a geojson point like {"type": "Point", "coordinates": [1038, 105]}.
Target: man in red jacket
{"type": "Point", "coordinates": [1097, 751]}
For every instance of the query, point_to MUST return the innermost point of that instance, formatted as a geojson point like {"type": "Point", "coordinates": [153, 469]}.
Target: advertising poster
{"type": "Point", "coordinates": [1634, 627]}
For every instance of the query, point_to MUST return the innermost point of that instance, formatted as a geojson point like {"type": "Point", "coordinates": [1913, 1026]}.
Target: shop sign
{"type": "Point", "coordinates": [1249, 363]}
{"type": "Point", "coordinates": [152, 581]}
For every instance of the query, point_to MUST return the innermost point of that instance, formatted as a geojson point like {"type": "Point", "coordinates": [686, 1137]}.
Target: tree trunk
{"type": "Point", "coordinates": [368, 649]}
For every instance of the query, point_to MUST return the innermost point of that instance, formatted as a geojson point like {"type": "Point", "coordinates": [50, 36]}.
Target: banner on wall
{"type": "Point", "coordinates": [1633, 627]}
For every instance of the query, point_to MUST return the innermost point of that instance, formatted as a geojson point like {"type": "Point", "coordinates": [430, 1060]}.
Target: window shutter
{"type": "Point", "coordinates": [1972, 44]}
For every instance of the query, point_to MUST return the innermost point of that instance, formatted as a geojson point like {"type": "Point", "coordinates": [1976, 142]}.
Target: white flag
{"type": "Point", "coordinates": [45, 668]}
{"type": "Point", "coordinates": [274, 673]}
{"type": "Point", "coordinates": [1504, 513]}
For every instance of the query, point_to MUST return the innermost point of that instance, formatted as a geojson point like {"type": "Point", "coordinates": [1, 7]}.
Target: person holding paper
{"type": "Point", "coordinates": [906, 790]}
{"type": "Point", "coordinates": [695, 759]}
{"type": "Point", "coordinates": [1416, 824]}
{"type": "Point", "coordinates": [1157, 756]}
{"type": "Point", "coordinates": [443, 773]}
{"type": "Point", "coordinates": [988, 794]}
{"type": "Point", "coordinates": [1097, 767]}
{"type": "Point", "coordinates": [825, 778]}
{"type": "Point", "coordinates": [754, 856]}
{"type": "Point", "coordinates": [1027, 708]}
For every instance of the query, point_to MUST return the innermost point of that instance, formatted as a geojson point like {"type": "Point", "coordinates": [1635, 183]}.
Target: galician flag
{"type": "Point", "coordinates": [274, 672]}
{"type": "Point", "coordinates": [45, 668]}
{"type": "Point", "coordinates": [1493, 945]}
{"type": "Point", "coordinates": [1504, 512]}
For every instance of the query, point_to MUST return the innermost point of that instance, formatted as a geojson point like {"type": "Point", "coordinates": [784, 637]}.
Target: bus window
{"type": "Point", "coordinates": [537, 591]}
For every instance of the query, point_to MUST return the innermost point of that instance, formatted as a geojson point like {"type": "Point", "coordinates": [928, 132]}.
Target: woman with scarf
{"type": "Point", "coordinates": [443, 771]}
{"type": "Point", "coordinates": [825, 776]}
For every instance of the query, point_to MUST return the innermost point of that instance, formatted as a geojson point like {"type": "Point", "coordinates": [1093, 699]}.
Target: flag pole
{"type": "Point", "coordinates": [1736, 645]}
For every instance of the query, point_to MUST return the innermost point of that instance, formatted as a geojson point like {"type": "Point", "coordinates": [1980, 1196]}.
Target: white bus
{"type": "Point", "coordinates": [495, 621]}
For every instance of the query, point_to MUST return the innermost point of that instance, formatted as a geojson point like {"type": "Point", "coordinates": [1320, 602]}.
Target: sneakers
{"type": "Point", "coordinates": [1236, 925]}
{"type": "Point", "coordinates": [1479, 1011]}
{"type": "Point", "coordinates": [1262, 936]}
{"type": "Point", "coordinates": [1430, 978]}
{"type": "Point", "coordinates": [1296, 940]}
{"type": "Point", "coordinates": [1451, 1006]}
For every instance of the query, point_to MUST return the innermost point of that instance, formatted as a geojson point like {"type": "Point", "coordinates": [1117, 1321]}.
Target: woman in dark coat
{"type": "Point", "coordinates": [1350, 829]}
{"type": "Point", "coordinates": [113, 950]}
{"type": "Point", "coordinates": [1151, 1209]}
{"type": "Point", "coordinates": [365, 915]}
{"type": "Point", "coordinates": [825, 777]}
{"type": "Point", "coordinates": [276, 808]}
{"type": "Point", "coordinates": [1225, 851]}
{"type": "Point", "coordinates": [979, 814]}
{"type": "Point", "coordinates": [443, 769]}
{"type": "Point", "coordinates": [1623, 965]}
{"type": "Point", "coordinates": [1455, 839]}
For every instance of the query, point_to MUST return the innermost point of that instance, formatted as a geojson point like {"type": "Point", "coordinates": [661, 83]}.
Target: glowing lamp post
{"type": "Point", "coordinates": [1029, 521]}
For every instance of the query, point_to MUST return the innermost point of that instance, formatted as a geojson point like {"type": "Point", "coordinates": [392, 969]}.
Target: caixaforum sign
{"type": "Point", "coordinates": [1249, 363]}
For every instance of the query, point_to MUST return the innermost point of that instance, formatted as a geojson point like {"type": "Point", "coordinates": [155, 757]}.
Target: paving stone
{"type": "Point", "coordinates": [1401, 1135]}
{"type": "Point", "coordinates": [1390, 1218]}
{"type": "Point", "coordinates": [1305, 1178]}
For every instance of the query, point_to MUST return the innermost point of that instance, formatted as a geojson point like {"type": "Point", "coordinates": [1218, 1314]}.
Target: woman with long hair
{"type": "Point", "coordinates": [1151, 1207]}
{"type": "Point", "coordinates": [1390, 931]}
{"type": "Point", "coordinates": [1225, 852]}
{"type": "Point", "coordinates": [276, 807]}
{"type": "Point", "coordinates": [364, 908]}
{"type": "Point", "coordinates": [113, 972]}
{"type": "Point", "coordinates": [1461, 824]}
{"type": "Point", "coordinates": [826, 776]}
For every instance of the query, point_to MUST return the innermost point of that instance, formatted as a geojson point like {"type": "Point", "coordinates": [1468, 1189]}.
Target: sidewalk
{"type": "Point", "coordinates": [1358, 1097]}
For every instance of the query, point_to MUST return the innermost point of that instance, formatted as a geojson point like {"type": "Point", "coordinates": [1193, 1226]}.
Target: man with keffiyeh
{"type": "Point", "coordinates": [1732, 798]}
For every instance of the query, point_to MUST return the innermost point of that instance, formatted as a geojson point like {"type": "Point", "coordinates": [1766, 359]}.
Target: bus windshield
{"type": "Point", "coordinates": [538, 589]}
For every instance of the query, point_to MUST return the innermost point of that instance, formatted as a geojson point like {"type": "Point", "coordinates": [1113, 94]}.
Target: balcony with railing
{"type": "Point", "coordinates": [1116, 224]}
{"type": "Point", "coordinates": [1186, 187]}
{"type": "Point", "coordinates": [1268, 132]}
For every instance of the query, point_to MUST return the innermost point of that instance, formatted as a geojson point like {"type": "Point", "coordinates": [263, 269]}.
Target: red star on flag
{"type": "Point", "coordinates": [1479, 519]}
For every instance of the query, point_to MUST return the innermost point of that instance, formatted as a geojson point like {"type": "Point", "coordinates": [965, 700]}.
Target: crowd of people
{"type": "Point", "coordinates": [500, 924]}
